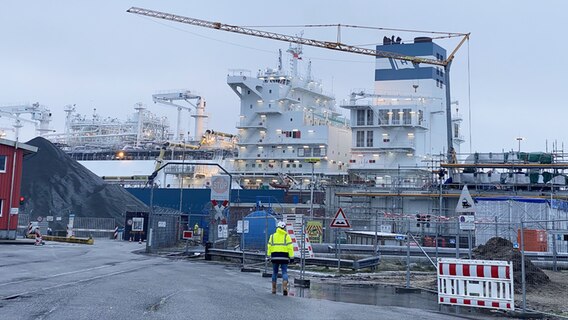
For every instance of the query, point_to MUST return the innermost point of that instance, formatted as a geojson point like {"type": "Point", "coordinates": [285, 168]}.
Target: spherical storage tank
{"type": "Point", "coordinates": [261, 225]}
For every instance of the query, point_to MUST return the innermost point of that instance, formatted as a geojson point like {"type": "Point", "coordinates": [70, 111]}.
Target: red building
{"type": "Point", "coordinates": [11, 157]}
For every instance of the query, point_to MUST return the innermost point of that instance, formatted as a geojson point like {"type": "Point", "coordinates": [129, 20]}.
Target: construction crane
{"type": "Point", "coordinates": [338, 46]}
{"type": "Point", "coordinates": [169, 98]}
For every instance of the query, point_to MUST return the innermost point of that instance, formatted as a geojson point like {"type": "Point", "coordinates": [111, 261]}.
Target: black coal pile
{"type": "Point", "coordinates": [498, 248]}
{"type": "Point", "coordinates": [54, 184]}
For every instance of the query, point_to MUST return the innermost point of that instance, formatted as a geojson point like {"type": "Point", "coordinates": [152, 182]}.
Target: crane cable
{"type": "Point", "coordinates": [469, 94]}
{"type": "Point", "coordinates": [449, 34]}
{"type": "Point", "coordinates": [246, 47]}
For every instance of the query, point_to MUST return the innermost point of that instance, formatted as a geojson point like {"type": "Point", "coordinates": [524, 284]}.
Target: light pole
{"type": "Point", "coordinates": [519, 139]}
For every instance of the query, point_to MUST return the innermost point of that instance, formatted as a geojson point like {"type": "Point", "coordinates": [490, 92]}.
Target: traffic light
{"type": "Point", "coordinates": [22, 200]}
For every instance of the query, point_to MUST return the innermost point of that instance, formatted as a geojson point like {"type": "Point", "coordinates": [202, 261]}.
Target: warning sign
{"type": "Point", "coordinates": [220, 187]}
{"type": "Point", "coordinates": [340, 220]}
{"type": "Point", "coordinates": [465, 203]}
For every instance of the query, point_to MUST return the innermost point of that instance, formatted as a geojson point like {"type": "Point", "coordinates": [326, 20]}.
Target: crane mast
{"type": "Point", "coordinates": [337, 45]}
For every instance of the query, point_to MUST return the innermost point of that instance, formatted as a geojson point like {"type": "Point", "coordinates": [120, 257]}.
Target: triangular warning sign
{"type": "Point", "coordinates": [465, 202]}
{"type": "Point", "coordinates": [340, 220]}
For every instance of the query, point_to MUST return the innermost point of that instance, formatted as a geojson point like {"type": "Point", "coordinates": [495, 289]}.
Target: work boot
{"type": "Point", "coordinates": [273, 287]}
{"type": "Point", "coordinates": [285, 288]}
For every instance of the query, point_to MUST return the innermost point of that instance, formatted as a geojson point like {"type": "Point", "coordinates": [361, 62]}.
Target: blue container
{"type": "Point", "coordinates": [259, 222]}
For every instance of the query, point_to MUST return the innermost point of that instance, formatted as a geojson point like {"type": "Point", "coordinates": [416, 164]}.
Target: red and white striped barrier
{"type": "Point", "coordinates": [38, 239]}
{"type": "Point", "coordinates": [476, 283]}
{"type": "Point", "coordinates": [309, 253]}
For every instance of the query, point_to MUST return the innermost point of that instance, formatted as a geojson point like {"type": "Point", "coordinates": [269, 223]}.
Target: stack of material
{"type": "Point", "coordinates": [54, 184]}
{"type": "Point", "coordinates": [502, 249]}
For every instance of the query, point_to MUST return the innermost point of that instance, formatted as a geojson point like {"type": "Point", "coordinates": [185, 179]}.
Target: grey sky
{"type": "Point", "coordinates": [96, 55]}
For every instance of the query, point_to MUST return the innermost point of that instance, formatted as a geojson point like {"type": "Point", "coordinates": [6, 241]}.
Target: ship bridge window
{"type": "Point", "coordinates": [369, 138]}
{"type": "Point", "coordinates": [360, 140]}
{"type": "Point", "coordinates": [383, 117]}
{"type": "Point", "coordinates": [395, 116]}
{"type": "Point", "coordinates": [360, 117]}
{"type": "Point", "coordinates": [3, 164]}
{"type": "Point", "coordinates": [370, 115]}
{"type": "Point", "coordinates": [406, 119]}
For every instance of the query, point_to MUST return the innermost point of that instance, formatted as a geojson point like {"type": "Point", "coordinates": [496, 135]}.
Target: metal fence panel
{"type": "Point", "coordinates": [166, 228]}
{"type": "Point", "coordinates": [84, 227]}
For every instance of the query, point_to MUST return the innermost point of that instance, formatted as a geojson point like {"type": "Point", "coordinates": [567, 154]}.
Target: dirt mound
{"type": "Point", "coordinates": [54, 184]}
{"type": "Point", "coordinates": [498, 248]}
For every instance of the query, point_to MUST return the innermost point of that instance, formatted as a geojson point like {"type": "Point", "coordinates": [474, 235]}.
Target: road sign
{"type": "Point", "coordinates": [39, 219]}
{"type": "Point", "coordinates": [188, 234]}
{"type": "Point", "coordinates": [223, 230]}
{"type": "Point", "coordinates": [240, 226]}
{"type": "Point", "coordinates": [340, 220]}
{"type": "Point", "coordinates": [467, 222]}
{"type": "Point", "coordinates": [49, 218]}
{"type": "Point", "coordinates": [465, 202]}
{"type": "Point", "coordinates": [220, 187]}
{"type": "Point", "coordinates": [137, 224]}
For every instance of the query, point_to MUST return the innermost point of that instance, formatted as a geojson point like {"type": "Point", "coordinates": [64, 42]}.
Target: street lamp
{"type": "Point", "coordinates": [520, 139]}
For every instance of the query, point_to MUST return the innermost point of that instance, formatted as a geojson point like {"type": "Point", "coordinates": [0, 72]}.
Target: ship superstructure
{"type": "Point", "coordinates": [288, 125]}
{"type": "Point", "coordinates": [402, 126]}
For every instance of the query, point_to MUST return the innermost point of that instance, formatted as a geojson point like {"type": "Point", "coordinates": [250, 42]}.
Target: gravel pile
{"type": "Point", "coordinates": [54, 184]}
{"type": "Point", "coordinates": [498, 248]}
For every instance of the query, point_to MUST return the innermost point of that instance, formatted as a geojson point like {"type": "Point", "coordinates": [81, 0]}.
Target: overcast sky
{"type": "Point", "coordinates": [96, 55]}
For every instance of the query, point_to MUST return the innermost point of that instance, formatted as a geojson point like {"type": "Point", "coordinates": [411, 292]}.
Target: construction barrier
{"type": "Point", "coordinates": [64, 239]}
{"type": "Point", "coordinates": [308, 250]}
{"type": "Point", "coordinates": [476, 283]}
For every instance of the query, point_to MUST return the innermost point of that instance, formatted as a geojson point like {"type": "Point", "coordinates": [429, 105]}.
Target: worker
{"type": "Point", "coordinates": [281, 252]}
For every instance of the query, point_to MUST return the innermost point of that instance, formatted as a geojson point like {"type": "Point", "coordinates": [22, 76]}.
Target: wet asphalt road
{"type": "Point", "coordinates": [108, 281]}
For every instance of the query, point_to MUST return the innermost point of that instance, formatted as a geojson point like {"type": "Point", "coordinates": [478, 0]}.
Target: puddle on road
{"type": "Point", "coordinates": [378, 295]}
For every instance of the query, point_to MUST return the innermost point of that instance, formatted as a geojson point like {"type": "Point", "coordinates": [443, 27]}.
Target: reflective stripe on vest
{"type": "Point", "coordinates": [279, 244]}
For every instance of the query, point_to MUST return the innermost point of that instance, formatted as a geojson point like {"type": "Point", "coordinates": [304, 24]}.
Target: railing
{"type": "Point", "coordinates": [317, 261]}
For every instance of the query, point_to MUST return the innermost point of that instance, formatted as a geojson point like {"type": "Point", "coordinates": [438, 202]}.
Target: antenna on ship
{"type": "Point", "coordinates": [279, 60]}
{"type": "Point", "coordinates": [296, 51]}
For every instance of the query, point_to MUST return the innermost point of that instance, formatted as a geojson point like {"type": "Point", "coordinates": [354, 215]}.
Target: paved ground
{"type": "Point", "coordinates": [108, 281]}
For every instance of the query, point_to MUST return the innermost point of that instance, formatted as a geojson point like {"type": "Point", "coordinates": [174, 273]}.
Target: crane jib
{"type": "Point", "coordinates": [281, 37]}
